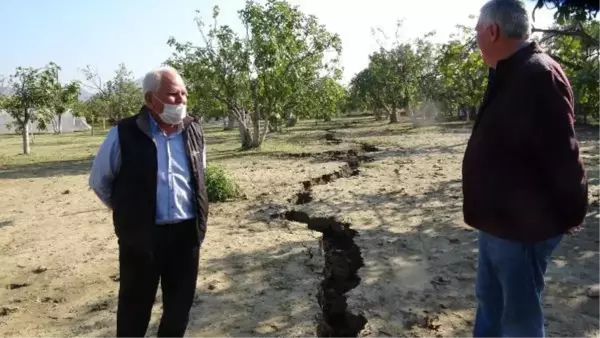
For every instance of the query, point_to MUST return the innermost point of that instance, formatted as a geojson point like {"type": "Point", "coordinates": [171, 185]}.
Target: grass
{"type": "Point", "coordinates": [72, 153]}
{"type": "Point", "coordinates": [48, 148]}
{"type": "Point", "coordinates": [306, 136]}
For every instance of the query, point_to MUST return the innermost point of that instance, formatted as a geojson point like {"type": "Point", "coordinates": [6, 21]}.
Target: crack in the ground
{"type": "Point", "coordinates": [353, 160]}
{"type": "Point", "coordinates": [343, 257]}
{"type": "Point", "coordinates": [305, 196]}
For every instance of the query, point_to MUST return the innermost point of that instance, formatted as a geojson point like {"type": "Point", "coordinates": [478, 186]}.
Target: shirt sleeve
{"type": "Point", "coordinates": [105, 167]}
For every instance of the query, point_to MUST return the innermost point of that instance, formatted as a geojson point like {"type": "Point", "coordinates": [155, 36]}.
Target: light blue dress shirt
{"type": "Point", "coordinates": [174, 192]}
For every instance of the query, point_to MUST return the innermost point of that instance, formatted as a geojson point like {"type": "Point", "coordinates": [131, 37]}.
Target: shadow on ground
{"type": "Point", "coordinates": [47, 169]}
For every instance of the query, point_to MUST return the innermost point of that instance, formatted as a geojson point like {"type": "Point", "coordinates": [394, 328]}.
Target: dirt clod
{"type": "Point", "coordinates": [39, 270]}
{"type": "Point", "coordinates": [5, 311]}
{"type": "Point", "coordinates": [14, 286]}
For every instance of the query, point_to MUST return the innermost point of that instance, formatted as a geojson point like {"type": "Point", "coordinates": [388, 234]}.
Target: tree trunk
{"type": "Point", "coordinates": [377, 114]}
{"type": "Point", "coordinates": [256, 125]}
{"type": "Point", "coordinates": [275, 126]}
{"type": "Point", "coordinates": [245, 136]}
{"type": "Point", "coordinates": [256, 139]}
{"type": "Point", "coordinates": [60, 123]}
{"type": "Point", "coordinates": [230, 121]}
{"type": "Point", "coordinates": [291, 120]}
{"type": "Point", "coordinates": [394, 115]}
{"type": "Point", "coordinates": [25, 135]}
{"type": "Point", "coordinates": [103, 124]}
{"type": "Point", "coordinates": [31, 134]}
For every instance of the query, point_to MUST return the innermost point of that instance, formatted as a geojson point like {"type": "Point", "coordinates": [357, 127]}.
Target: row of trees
{"type": "Point", "coordinates": [285, 66]}
{"type": "Point", "coordinates": [36, 96]}
{"type": "Point", "coordinates": [409, 77]}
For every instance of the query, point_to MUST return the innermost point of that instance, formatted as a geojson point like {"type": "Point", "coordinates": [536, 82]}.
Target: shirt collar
{"type": "Point", "coordinates": [155, 129]}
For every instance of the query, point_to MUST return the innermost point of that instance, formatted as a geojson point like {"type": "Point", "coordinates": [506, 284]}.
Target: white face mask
{"type": "Point", "coordinates": [172, 113]}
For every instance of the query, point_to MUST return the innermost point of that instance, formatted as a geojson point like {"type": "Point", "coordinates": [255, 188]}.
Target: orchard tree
{"type": "Point", "coordinates": [325, 99]}
{"type": "Point", "coordinates": [363, 94]}
{"type": "Point", "coordinates": [579, 58]}
{"type": "Point", "coordinates": [394, 79]}
{"type": "Point", "coordinates": [258, 75]}
{"type": "Point", "coordinates": [64, 98]}
{"type": "Point", "coordinates": [31, 92]}
{"type": "Point", "coordinates": [463, 73]}
{"type": "Point", "coordinates": [122, 96]}
{"type": "Point", "coordinates": [93, 110]}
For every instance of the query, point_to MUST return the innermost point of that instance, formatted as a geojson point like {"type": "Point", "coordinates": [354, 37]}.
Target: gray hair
{"type": "Point", "coordinates": [152, 80]}
{"type": "Point", "coordinates": [510, 15]}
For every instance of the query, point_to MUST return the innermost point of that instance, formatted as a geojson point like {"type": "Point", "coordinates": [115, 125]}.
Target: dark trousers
{"type": "Point", "coordinates": [510, 281]}
{"type": "Point", "coordinates": [174, 262]}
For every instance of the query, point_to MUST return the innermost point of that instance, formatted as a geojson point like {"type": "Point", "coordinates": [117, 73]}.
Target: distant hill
{"type": "Point", "coordinates": [84, 95]}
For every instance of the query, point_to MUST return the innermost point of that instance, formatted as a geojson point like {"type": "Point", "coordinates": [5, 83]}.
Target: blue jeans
{"type": "Point", "coordinates": [510, 281]}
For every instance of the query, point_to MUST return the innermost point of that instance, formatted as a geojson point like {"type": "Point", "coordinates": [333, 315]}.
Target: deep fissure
{"type": "Point", "coordinates": [343, 257]}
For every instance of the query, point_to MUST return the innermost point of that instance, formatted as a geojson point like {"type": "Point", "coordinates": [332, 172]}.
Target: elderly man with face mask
{"type": "Point", "coordinates": [524, 183]}
{"type": "Point", "coordinates": [150, 172]}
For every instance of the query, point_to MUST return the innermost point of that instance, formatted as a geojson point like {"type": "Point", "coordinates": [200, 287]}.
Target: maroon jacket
{"type": "Point", "coordinates": [523, 177]}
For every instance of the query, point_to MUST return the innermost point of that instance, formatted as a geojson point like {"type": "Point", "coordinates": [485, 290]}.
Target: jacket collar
{"type": "Point", "coordinates": [521, 55]}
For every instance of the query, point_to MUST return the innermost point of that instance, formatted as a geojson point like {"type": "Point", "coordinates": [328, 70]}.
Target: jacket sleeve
{"type": "Point", "coordinates": [105, 167]}
{"type": "Point", "coordinates": [555, 147]}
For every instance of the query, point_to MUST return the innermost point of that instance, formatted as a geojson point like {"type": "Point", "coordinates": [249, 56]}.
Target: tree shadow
{"type": "Point", "coordinates": [47, 169]}
{"type": "Point", "coordinates": [433, 264]}
{"type": "Point", "coordinates": [269, 292]}
{"type": "Point", "coordinates": [221, 139]}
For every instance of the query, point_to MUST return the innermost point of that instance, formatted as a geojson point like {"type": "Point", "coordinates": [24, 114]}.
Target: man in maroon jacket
{"type": "Point", "coordinates": [524, 184]}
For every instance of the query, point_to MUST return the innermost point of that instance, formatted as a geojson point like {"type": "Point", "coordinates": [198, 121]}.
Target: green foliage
{"type": "Point", "coordinates": [32, 92]}
{"type": "Point", "coordinates": [578, 55]}
{"type": "Point", "coordinates": [219, 186]}
{"type": "Point", "coordinates": [64, 98]}
{"type": "Point", "coordinates": [116, 99]}
{"type": "Point", "coordinates": [452, 74]}
{"type": "Point", "coordinates": [463, 73]}
{"type": "Point", "coordinates": [265, 76]}
{"type": "Point", "coordinates": [395, 79]}
{"type": "Point", "coordinates": [580, 10]}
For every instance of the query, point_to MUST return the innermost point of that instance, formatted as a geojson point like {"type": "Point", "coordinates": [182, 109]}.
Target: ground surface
{"type": "Point", "coordinates": [259, 276]}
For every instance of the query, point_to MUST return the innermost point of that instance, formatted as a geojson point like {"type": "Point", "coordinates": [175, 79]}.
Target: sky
{"type": "Point", "coordinates": [104, 33]}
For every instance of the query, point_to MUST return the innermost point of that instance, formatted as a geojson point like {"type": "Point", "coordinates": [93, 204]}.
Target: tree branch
{"type": "Point", "coordinates": [567, 63]}
{"type": "Point", "coordinates": [586, 38]}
